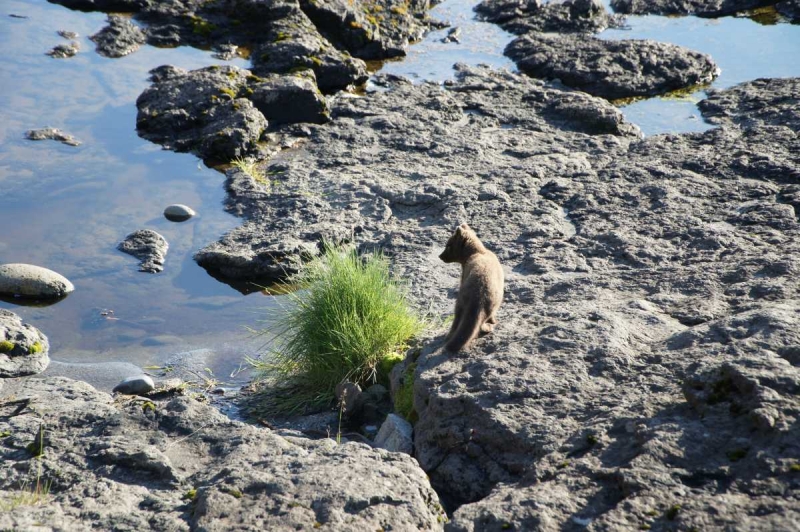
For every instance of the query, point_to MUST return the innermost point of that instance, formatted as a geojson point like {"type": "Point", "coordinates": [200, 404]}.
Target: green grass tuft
{"type": "Point", "coordinates": [349, 320]}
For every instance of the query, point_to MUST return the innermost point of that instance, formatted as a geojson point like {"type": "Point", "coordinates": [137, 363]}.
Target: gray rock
{"type": "Point", "coordinates": [64, 51]}
{"type": "Point", "coordinates": [120, 38]}
{"type": "Point", "coordinates": [204, 111]}
{"type": "Point", "coordinates": [789, 9]}
{"type": "Point", "coordinates": [178, 213]}
{"type": "Point", "coordinates": [144, 464]}
{"type": "Point", "coordinates": [27, 280]}
{"type": "Point", "coordinates": [570, 16]}
{"type": "Point", "coordinates": [138, 385]}
{"type": "Point", "coordinates": [290, 99]}
{"type": "Point", "coordinates": [347, 396]}
{"type": "Point", "coordinates": [703, 8]}
{"type": "Point", "coordinates": [396, 435]}
{"type": "Point", "coordinates": [594, 65]}
{"type": "Point", "coordinates": [51, 133]}
{"type": "Point", "coordinates": [23, 347]}
{"type": "Point", "coordinates": [452, 36]}
{"type": "Point", "coordinates": [147, 246]}
{"type": "Point", "coordinates": [69, 35]}
{"type": "Point", "coordinates": [622, 290]}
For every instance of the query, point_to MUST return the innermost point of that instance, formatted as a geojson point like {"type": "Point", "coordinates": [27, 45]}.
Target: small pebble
{"type": "Point", "coordinates": [178, 213]}
{"type": "Point", "coordinates": [139, 385]}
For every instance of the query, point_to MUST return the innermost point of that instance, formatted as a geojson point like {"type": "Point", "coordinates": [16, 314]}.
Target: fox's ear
{"type": "Point", "coordinates": [459, 230]}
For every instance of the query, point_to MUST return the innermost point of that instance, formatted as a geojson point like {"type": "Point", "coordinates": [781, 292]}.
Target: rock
{"type": "Point", "coordinates": [69, 35]}
{"type": "Point", "coordinates": [593, 65]}
{"type": "Point", "coordinates": [347, 396]}
{"type": "Point", "coordinates": [23, 347]}
{"type": "Point", "coordinates": [29, 281]}
{"type": "Point", "coordinates": [204, 111]}
{"type": "Point", "coordinates": [789, 9]}
{"type": "Point", "coordinates": [396, 435]}
{"type": "Point", "coordinates": [226, 51]}
{"type": "Point", "coordinates": [290, 99]}
{"type": "Point", "coordinates": [178, 213]}
{"type": "Point", "coordinates": [757, 103]}
{"type": "Point", "coordinates": [101, 375]}
{"type": "Point", "coordinates": [120, 38]}
{"type": "Point", "coordinates": [571, 16]}
{"type": "Point", "coordinates": [63, 51]}
{"type": "Point", "coordinates": [51, 133]}
{"type": "Point", "coordinates": [144, 463]}
{"type": "Point", "coordinates": [147, 246]}
{"type": "Point", "coordinates": [702, 8]}
{"type": "Point", "coordinates": [452, 36]}
{"type": "Point", "coordinates": [139, 385]}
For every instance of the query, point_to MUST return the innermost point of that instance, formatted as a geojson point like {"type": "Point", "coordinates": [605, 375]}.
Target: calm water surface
{"type": "Point", "coordinates": [66, 208]}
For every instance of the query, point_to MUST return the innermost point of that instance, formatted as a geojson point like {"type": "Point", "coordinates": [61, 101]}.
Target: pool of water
{"type": "Point", "coordinates": [66, 208]}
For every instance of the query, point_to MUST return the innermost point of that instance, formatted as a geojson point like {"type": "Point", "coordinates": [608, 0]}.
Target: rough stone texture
{"type": "Point", "coordinates": [290, 99]}
{"type": "Point", "coordinates": [120, 38]}
{"type": "Point", "coordinates": [283, 34]}
{"type": "Point", "coordinates": [396, 435]}
{"type": "Point", "coordinates": [644, 371]}
{"type": "Point", "coordinates": [203, 111]}
{"type": "Point", "coordinates": [582, 16]}
{"type": "Point", "coordinates": [181, 465]}
{"type": "Point", "coordinates": [147, 246]}
{"type": "Point", "coordinates": [611, 69]}
{"type": "Point", "coordinates": [63, 51]}
{"type": "Point", "coordinates": [701, 8]}
{"type": "Point", "coordinates": [51, 133]}
{"type": "Point", "coordinates": [29, 281]}
{"type": "Point", "coordinates": [23, 347]}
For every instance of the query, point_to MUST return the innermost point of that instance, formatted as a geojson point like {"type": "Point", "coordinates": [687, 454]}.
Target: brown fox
{"type": "Point", "coordinates": [481, 289]}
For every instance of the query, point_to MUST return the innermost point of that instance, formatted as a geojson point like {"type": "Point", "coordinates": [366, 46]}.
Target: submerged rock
{"type": "Point", "coordinates": [178, 213]}
{"type": "Point", "coordinates": [595, 65]}
{"type": "Point", "coordinates": [23, 347]}
{"type": "Point", "coordinates": [27, 280]}
{"type": "Point", "coordinates": [51, 133]}
{"type": "Point", "coordinates": [120, 38]}
{"type": "Point", "coordinates": [138, 385]}
{"type": "Point", "coordinates": [147, 246]}
{"type": "Point", "coordinates": [145, 464]}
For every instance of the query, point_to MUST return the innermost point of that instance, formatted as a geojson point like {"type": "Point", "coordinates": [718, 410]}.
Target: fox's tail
{"type": "Point", "coordinates": [467, 330]}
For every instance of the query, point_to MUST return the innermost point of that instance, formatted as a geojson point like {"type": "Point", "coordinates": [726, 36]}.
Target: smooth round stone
{"type": "Point", "coordinates": [27, 280]}
{"type": "Point", "coordinates": [178, 213]}
{"type": "Point", "coordinates": [135, 385]}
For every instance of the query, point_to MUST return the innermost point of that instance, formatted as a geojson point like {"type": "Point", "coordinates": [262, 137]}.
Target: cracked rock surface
{"type": "Point", "coordinates": [181, 465]}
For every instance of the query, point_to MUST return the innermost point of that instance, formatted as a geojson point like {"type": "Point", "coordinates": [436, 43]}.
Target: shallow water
{"type": "Point", "coordinates": [66, 208]}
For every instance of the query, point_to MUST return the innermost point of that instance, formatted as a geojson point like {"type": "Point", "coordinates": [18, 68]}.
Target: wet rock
{"type": "Point", "coordinates": [290, 99]}
{"type": "Point", "coordinates": [23, 347]}
{"type": "Point", "coordinates": [594, 65]}
{"type": "Point", "coordinates": [570, 16]}
{"type": "Point", "coordinates": [178, 213]}
{"type": "Point", "coordinates": [452, 36]}
{"type": "Point", "coordinates": [138, 385]}
{"type": "Point", "coordinates": [147, 246]}
{"type": "Point", "coordinates": [64, 51]}
{"type": "Point", "coordinates": [204, 111]}
{"type": "Point", "coordinates": [69, 35]}
{"type": "Point", "coordinates": [29, 281]}
{"type": "Point", "coordinates": [396, 435]}
{"type": "Point", "coordinates": [51, 133]}
{"type": "Point", "coordinates": [120, 38]}
{"type": "Point", "coordinates": [143, 462]}
{"type": "Point", "coordinates": [702, 8]}
{"type": "Point", "coordinates": [226, 51]}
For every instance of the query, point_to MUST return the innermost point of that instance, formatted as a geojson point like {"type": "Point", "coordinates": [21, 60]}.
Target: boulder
{"type": "Point", "coordinates": [396, 435]}
{"type": "Point", "coordinates": [29, 281]}
{"type": "Point", "coordinates": [23, 347]}
{"type": "Point", "coordinates": [290, 99]}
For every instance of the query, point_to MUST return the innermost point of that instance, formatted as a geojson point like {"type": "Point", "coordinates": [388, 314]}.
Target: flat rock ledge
{"type": "Point", "coordinates": [147, 246]}
{"type": "Point", "coordinates": [180, 465]}
{"type": "Point", "coordinates": [645, 371]}
{"type": "Point", "coordinates": [611, 69]}
{"type": "Point", "coordinates": [23, 347]}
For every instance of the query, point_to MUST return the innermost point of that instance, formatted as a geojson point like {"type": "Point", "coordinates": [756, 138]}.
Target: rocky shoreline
{"type": "Point", "coordinates": [644, 371]}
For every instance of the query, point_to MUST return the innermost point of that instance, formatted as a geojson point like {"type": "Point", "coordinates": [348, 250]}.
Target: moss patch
{"type": "Point", "coordinates": [6, 346]}
{"type": "Point", "coordinates": [404, 397]}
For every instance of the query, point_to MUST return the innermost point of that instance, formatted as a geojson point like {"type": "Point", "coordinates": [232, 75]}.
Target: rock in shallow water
{"type": "Point", "coordinates": [147, 246]}
{"type": "Point", "coordinates": [51, 133]}
{"type": "Point", "coordinates": [139, 385]}
{"type": "Point", "coordinates": [120, 38]}
{"type": "Point", "coordinates": [178, 213]}
{"type": "Point", "coordinates": [27, 280]}
{"type": "Point", "coordinates": [23, 347]}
